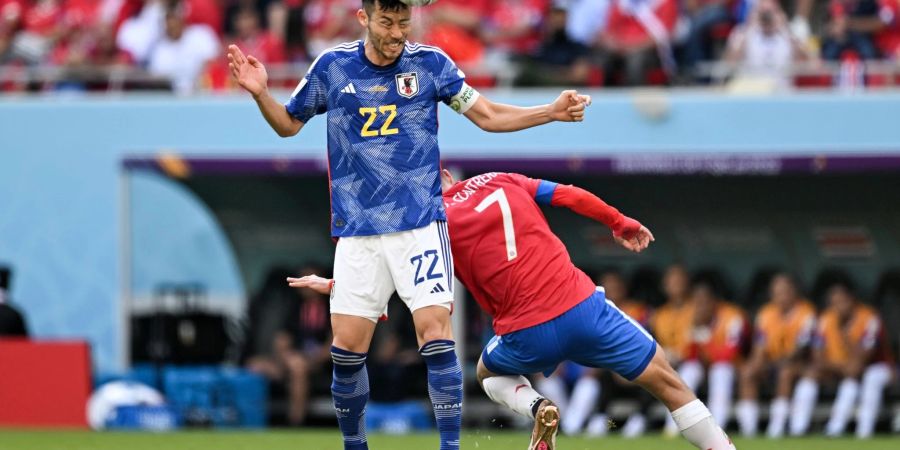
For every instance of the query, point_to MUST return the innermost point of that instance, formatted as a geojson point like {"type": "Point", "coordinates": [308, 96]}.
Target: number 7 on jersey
{"type": "Point", "coordinates": [499, 197]}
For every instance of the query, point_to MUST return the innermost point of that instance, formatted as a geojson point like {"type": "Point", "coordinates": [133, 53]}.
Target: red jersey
{"type": "Point", "coordinates": [505, 253]}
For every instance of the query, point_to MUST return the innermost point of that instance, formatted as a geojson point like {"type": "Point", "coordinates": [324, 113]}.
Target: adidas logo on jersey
{"type": "Point", "coordinates": [350, 89]}
{"type": "Point", "coordinates": [437, 288]}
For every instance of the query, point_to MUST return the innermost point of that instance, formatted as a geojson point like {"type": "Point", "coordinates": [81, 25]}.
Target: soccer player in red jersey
{"type": "Point", "coordinates": [546, 310]}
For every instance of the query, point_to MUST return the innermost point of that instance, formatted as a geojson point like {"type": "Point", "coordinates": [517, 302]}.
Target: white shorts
{"type": "Point", "coordinates": [417, 264]}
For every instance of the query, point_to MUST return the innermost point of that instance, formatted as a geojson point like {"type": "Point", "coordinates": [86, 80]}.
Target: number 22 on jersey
{"type": "Point", "coordinates": [509, 233]}
{"type": "Point", "coordinates": [371, 113]}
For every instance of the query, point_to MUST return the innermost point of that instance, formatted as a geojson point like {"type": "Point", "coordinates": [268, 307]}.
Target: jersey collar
{"type": "Point", "coordinates": [362, 56]}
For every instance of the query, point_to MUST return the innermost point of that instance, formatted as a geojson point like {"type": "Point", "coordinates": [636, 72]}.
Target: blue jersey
{"type": "Point", "coordinates": [383, 157]}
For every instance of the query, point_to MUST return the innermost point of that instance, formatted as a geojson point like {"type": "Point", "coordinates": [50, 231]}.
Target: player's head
{"type": "Point", "coordinates": [614, 285]}
{"type": "Point", "coordinates": [446, 179]}
{"type": "Point", "coordinates": [676, 282]}
{"type": "Point", "coordinates": [783, 290]}
{"type": "Point", "coordinates": [704, 297]}
{"type": "Point", "coordinates": [841, 298]}
{"type": "Point", "coordinates": [388, 23]}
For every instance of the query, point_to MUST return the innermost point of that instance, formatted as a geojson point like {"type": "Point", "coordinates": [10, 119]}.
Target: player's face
{"type": "Point", "coordinates": [841, 301]}
{"type": "Point", "coordinates": [614, 286]}
{"type": "Point", "coordinates": [675, 282]}
{"type": "Point", "coordinates": [387, 30]}
{"type": "Point", "coordinates": [783, 291]}
{"type": "Point", "coordinates": [704, 303]}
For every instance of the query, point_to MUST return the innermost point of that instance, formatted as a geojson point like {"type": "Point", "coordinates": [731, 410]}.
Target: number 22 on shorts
{"type": "Point", "coordinates": [418, 260]}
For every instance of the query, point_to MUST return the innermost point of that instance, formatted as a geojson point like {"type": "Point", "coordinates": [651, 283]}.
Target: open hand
{"type": "Point", "coordinates": [314, 282]}
{"type": "Point", "coordinates": [249, 73]}
{"type": "Point", "coordinates": [569, 106]}
{"type": "Point", "coordinates": [636, 241]}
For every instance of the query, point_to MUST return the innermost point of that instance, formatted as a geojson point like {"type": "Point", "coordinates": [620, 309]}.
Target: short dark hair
{"type": "Point", "coordinates": [384, 5]}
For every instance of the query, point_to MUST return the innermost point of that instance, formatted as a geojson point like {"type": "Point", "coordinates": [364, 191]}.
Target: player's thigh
{"type": "Point", "coordinates": [362, 279]}
{"type": "Point", "coordinates": [523, 352]}
{"type": "Point", "coordinates": [600, 335]}
{"type": "Point", "coordinates": [421, 265]}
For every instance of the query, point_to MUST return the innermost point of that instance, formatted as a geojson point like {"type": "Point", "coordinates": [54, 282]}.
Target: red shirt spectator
{"type": "Point", "coordinates": [330, 22]}
{"type": "Point", "coordinates": [625, 30]}
{"type": "Point", "coordinates": [43, 17]}
{"type": "Point", "coordinates": [205, 12]}
{"type": "Point", "coordinates": [888, 39]}
{"type": "Point", "coordinates": [516, 24]}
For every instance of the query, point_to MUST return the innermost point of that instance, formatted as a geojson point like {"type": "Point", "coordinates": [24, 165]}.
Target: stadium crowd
{"type": "Point", "coordinates": [520, 42]}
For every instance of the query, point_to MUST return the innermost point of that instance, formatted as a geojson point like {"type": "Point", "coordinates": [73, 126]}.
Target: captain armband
{"type": "Point", "coordinates": [464, 100]}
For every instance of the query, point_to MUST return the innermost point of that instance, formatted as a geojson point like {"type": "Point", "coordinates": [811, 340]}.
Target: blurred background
{"type": "Point", "coordinates": [148, 215]}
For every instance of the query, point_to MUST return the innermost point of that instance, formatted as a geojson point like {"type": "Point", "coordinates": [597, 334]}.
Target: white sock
{"type": "Point", "coordinates": [778, 412]}
{"type": "Point", "coordinates": [747, 416]}
{"type": "Point", "coordinates": [874, 380]}
{"type": "Point", "coordinates": [806, 393]}
{"type": "Point", "coordinates": [699, 428]}
{"type": "Point", "coordinates": [584, 399]}
{"type": "Point", "coordinates": [555, 390]}
{"type": "Point", "coordinates": [691, 372]}
{"type": "Point", "coordinates": [514, 392]}
{"type": "Point", "coordinates": [721, 388]}
{"type": "Point", "coordinates": [842, 408]}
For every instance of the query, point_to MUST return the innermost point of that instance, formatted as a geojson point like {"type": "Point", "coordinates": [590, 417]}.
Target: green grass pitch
{"type": "Point", "coordinates": [330, 440]}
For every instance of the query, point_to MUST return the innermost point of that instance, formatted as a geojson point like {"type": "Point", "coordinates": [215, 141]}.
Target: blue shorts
{"type": "Point", "coordinates": [595, 333]}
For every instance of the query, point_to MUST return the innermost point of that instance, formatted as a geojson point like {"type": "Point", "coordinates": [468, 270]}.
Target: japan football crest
{"type": "Point", "coordinates": [407, 84]}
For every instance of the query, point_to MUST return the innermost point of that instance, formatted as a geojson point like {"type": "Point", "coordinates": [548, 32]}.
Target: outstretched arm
{"type": "Point", "coordinates": [314, 282]}
{"type": "Point", "coordinates": [251, 75]}
{"type": "Point", "coordinates": [628, 232]}
{"type": "Point", "coordinates": [499, 117]}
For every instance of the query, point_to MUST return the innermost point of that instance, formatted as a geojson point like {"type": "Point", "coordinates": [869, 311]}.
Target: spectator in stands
{"type": "Point", "coordinates": [558, 60]}
{"type": "Point", "coordinates": [513, 27]}
{"type": "Point", "coordinates": [888, 39]}
{"type": "Point", "coordinates": [703, 16]}
{"type": "Point", "coordinates": [455, 27]}
{"type": "Point", "coordinates": [12, 323]}
{"type": "Point", "coordinates": [139, 34]}
{"type": "Point", "coordinates": [11, 12]}
{"type": "Point", "coordinates": [717, 336]}
{"type": "Point", "coordinates": [638, 37]}
{"type": "Point", "coordinates": [763, 47]}
{"type": "Point", "coordinates": [43, 26]}
{"type": "Point", "coordinates": [782, 336]}
{"type": "Point", "coordinates": [249, 36]}
{"type": "Point", "coordinates": [852, 27]}
{"type": "Point", "coordinates": [849, 347]}
{"type": "Point", "coordinates": [586, 20]}
{"type": "Point", "coordinates": [184, 52]}
{"type": "Point", "coordinates": [330, 22]}
{"type": "Point", "coordinates": [289, 338]}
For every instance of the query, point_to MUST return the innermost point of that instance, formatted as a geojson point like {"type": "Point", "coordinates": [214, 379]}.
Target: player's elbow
{"type": "Point", "coordinates": [288, 130]}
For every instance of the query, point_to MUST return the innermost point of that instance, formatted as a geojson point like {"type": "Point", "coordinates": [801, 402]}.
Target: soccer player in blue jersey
{"type": "Point", "coordinates": [381, 97]}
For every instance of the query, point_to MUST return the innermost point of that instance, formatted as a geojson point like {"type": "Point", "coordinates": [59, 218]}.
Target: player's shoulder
{"type": "Point", "coordinates": [345, 50]}
{"type": "Point", "coordinates": [806, 307]}
{"type": "Point", "coordinates": [427, 53]}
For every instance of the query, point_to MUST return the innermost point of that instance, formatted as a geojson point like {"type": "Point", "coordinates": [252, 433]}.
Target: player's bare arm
{"type": "Point", "coordinates": [251, 75]}
{"type": "Point", "coordinates": [627, 232]}
{"type": "Point", "coordinates": [499, 117]}
{"type": "Point", "coordinates": [314, 282]}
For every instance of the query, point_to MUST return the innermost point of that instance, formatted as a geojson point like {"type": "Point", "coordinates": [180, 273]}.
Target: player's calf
{"type": "Point", "coordinates": [691, 416]}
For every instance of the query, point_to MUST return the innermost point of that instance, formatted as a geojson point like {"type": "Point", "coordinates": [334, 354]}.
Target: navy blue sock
{"type": "Point", "coordinates": [445, 389]}
{"type": "Point", "coordinates": [350, 390]}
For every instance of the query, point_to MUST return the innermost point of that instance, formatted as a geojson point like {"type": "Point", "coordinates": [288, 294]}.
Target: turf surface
{"type": "Point", "coordinates": [329, 440]}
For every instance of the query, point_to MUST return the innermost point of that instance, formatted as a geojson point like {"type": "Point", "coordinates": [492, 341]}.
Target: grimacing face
{"type": "Point", "coordinates": [387, 30]}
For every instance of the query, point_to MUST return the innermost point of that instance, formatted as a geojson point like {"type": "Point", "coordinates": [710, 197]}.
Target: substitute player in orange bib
{"type": "Point", "coordinates": [782, 335]}
{"type": "Point", "coordinates": [849, 350]}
